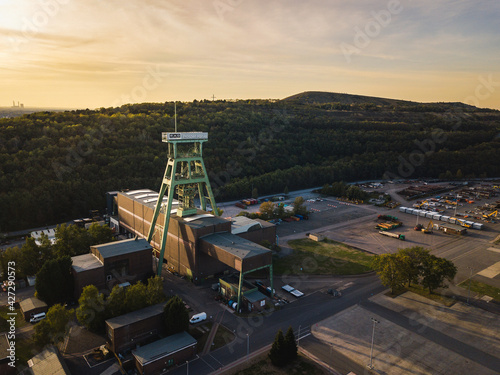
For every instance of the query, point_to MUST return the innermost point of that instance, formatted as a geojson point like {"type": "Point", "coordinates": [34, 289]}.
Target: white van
{"type": "Point", "coordinates": [37, 317]}
{"type": "Point", "coordinates": [198, 318]}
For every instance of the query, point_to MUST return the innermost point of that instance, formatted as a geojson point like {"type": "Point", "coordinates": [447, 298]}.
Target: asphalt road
{"type": "Point", "coordinates": [262, 329]}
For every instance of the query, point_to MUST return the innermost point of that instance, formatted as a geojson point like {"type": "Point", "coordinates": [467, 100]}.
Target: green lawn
{"type": "Point", "coordinates": [301, 366]}
{"type": "Point", "coordinates": [420, 290]}
{"type": "Point", "coordinates": [20, 322]}
{"type": "Point", "coordinates": [322, 258]}
{"type": "Point", "coordinates": [481, 288]}
{"type": "Point", "coordinates": [222, 337]}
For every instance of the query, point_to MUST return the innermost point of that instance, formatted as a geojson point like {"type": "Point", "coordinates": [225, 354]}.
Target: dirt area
{"type": "Point", "coordinates": [421, 337]}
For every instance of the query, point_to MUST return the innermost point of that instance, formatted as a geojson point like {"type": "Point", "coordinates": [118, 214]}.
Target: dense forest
{"type": "Point", "coordinates": [56, 166]}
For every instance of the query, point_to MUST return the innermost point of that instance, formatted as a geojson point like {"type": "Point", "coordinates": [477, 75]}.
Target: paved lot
{"type": "Point", "coordinates": [416, 336]}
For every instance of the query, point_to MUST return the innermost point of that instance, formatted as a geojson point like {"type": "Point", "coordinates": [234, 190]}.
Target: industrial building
{"type": "Point", "coordinates": [157, 357]}
{"type": "Point", "coordinates": [49, 361]}
{"type": "Point", "coordinates": [125, 332]}
{"type": "Point", "coordinates": [191, 240]}
{"type": "Point", "coordinates": [253, 300]}
{"type": "Point", "coordinates": [113, 263]}
{"type": "Point", "coordinates": [32, 306]}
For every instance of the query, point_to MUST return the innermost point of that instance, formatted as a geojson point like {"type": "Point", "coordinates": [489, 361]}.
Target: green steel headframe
{"type": "Point", "coordinates": [186, 176]}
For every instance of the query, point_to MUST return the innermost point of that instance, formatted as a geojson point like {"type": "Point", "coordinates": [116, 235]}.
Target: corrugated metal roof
{"type": "Point", "coordinates": [161, 348]}
{"type": "Point", "coordinates": [122, 247]}
{"type": "Point", "coordinates": [237, 246]}
{"type": "Point", "coordinates": [254, 296]}
{"type": "Point", "coordinates": [242, 224]}
{"type": "Point", "coordinates": [85, 262]}
{"type": "Point", "coordinates": [135, 316]}
{"type": "Point", "coordinates": [31, 303]}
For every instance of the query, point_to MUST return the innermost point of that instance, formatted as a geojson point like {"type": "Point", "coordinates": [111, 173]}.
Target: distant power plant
{"type": "Point", "coordinates": [19, 105]}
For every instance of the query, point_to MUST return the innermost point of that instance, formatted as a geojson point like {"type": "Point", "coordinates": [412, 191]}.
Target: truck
{"type": "Point", "coordinates": [393, 235]}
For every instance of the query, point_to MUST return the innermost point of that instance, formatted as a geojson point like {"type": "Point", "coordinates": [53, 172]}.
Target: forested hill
{"type": "Point", "coordinates": [57, 166]}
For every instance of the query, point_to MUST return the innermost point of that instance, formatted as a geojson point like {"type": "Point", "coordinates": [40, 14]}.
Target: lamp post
{"type": "Point", "coordinates": [248, 346]}
{"type": "Point", "coordinates": [470, 277]}
{"type": "Point", "coordinates": [187, 367]}
{"type": "Point", "coordinates": [298, 339]}
{"type": "Point", "coordinates": [375, 321]}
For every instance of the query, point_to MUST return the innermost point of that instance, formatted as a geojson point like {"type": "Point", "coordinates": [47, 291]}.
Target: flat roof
{"type": "Point", "coordinates": [147, 197]}
{"type": "Point", "coordinates": [135, 316]}
{"type": "Point", "coordinates": [254, 296]}
{"type": "Point", "coordinates": [31, 303]}
{"type": "Point", "coordinates": [237, 246]}
{"type": "Point", "coordinates": [242, 224]}
{"type": "Point", "coordinates": [48, 362]}
{"type": "Point", "coordinates": [161, 348]}
{"type": "Point", "coordinates": [85, 262]}
{"type": "Point", "coordinates": [128, 246]}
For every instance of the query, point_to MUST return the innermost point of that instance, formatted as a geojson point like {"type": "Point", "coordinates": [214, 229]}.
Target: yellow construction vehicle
{"type": "Point", "coordinates": [493, 214]}
{"type": "Point", "coordinates": [428, 228]}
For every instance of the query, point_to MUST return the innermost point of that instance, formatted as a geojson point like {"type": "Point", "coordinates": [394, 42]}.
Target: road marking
{"type": "Point", "coordinates": [491, 271]}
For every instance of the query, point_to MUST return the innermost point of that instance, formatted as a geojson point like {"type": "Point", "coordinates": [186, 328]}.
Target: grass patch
{"type": "Point", "coordinates": [482, 288]}
{"type": "Point", "coordinates": [222, 337]}
{"type": "Point", "coordinates": [20, 322]}
{"type": "Point", "coordinates": [201, 337]}
{"type": "Point", "coordinates": [322, 258]}
{"type": "Point", "coordinates": [301, 366]}
{"type": "Point", "coordinates": [417, 289]}
{"type": "Point", "coordinates": [25, 350]}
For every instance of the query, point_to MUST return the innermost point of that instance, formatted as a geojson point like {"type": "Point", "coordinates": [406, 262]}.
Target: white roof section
{"type": "Point", "coordinates": [194, 217]}
{"type": "Point", "coordinates": [242, 224]}
{"type": "Point", "coordinates": [50, 233]}
{"type": "Point", "coordinates": [288, 288]}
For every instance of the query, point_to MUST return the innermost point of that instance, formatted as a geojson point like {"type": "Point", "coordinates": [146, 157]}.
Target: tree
{"type": "Point", "coordinates": [42, 334]}
{"type": "Point", "coordinates": [99, 234]}
{"type": "Point", "coordinates": [435, 271]}
{"type": "Point", "coordinates": [136, 297]}
{"type": "Point", "coordinates": [286, 191]}
{"type": "Point", "coordinates": [115, 304]}
{"type": "Point", "coordinates": [155, 290]}
{"type": "Point", "coordinates": [53, 328]}
{"type": "Point", "coordinates": [29, 257]}
{"type": "Point", "coordinates": [91, 311]}
{"type": "Point", "coordinates": [54, 281]}
{"type": "Point", "coordinates": [255, 193]}
{"type": "Point", "coordinates": [299, 207]}
{"type": "Point", "coordinates": [412, 260]}
{"type": "Point", "coordinates": [58, 318]}
{"type": "Point", "coordinates": [389, 268]}
{"type": "Point", "coordinates": [277, 353]}
{"type": "Point", "coordinates": [71, 240]}
{"type": "Point", "coordinates": [290, 345]}
{"type": "Point", "coordinates": [176, 316]}
{"type": "Point", "coordinates": [266, 210]}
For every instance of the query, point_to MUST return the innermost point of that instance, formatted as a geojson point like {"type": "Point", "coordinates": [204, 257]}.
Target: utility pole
{"type": "Point", "coordinates": [470, 277]}
{"type": "Point", "coordinates": [375, 321]}
{"type": "Point", "coordinates": [187, 367]}
{"type": "Point", "coordinates": [248, 346]}
{"type": "Point", "coordinates": [213, 97]}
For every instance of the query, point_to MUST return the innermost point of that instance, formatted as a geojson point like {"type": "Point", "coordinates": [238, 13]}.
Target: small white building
{"type": "Point", "coordinates": [50, 233]}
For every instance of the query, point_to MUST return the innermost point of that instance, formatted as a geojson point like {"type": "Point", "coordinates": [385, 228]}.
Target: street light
{"type": "Point", "coordinates": [470, 277]}
{"type": "Point", "coordinates": [375, 321]}
{"type": "Point", "coordinates": [248, 346]}
{"type": "Point", "coordinates": [187, 367]}
{"type": "Point", "coordinates": [298, 339]}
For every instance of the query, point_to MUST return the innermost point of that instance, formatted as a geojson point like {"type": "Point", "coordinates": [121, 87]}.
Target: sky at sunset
{"type": "Point", "coordinates": [102, 53]}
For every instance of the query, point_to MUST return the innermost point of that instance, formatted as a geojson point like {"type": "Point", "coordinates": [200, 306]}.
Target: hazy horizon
{"type": "Point", "coordinates": [64, 54]}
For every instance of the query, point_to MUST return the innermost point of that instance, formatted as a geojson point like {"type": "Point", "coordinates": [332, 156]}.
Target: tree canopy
{"type": "Point", "coordinates": [68, 160]}
{"type": "Point", "coordinates": [54, 282]}
{"type": "Point", "coordinates": [413, 265]}
{"type": "Point", "coordinates": [176, 316]}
